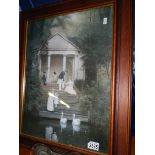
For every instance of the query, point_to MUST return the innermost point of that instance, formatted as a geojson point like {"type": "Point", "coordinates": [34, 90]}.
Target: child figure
{"type": "Point", "coordinates": [61, 80]}
{"type": "Point", "coordinates": [44, 79]}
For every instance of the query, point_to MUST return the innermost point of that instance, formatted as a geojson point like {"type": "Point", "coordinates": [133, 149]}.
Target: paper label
{"type": "Point", "coordinates": [105, 20]}
{"type": "Point", "coordinates": [93, 145]}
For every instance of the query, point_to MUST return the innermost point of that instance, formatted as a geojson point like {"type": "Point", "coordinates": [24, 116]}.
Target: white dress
{"type": "Point", "coordinates": [69, 88]}
{"type": "Point", "coordinates": [50, 103]}
{"type": "Point", "coordinates": [48, 132]}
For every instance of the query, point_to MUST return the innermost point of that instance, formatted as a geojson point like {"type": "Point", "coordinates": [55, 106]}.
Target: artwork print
{"type": "Point", "coordinates": [68, 78]}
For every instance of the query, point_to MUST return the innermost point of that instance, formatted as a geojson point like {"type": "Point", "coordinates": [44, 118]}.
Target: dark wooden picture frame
{"type": "Point", "coordinates": [121, 69]}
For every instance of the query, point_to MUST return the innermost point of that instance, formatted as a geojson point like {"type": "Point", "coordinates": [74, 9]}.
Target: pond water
{"type": "Point", "coordinates": [67, 134]}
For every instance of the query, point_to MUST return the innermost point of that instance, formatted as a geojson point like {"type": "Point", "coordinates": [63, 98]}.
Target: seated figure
{"type": "Point", "coordinates": [69, 88]}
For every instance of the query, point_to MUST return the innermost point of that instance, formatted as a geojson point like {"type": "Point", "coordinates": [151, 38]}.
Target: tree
{"type": "Point", "coordinates": [95, 41]}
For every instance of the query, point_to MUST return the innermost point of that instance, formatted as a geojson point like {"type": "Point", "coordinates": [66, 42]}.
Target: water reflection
{"type": "Point", "coordinates": [55, 137]}
{"type": "Point", "coordinates": [50, 135]}
{"type": "Point", "coordinates": [68, 133]}
{"type": "Point", "coordinates": [48, 132]}
{"type": "Point", "coordinates": [76, 128]}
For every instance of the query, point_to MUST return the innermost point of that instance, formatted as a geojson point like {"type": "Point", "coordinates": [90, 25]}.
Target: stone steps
{"type": "Point", "coordinates": [68, 98]}
{"type": "Point", "coordinates": [57, 115]}
{"type": "Point", "coordinates": [71, 100]}
{"type": "Point", "coordinates": [68, 101]}
{"type": "Point", "coordinates": [73, 106]}
{"type": "Point", "coordinates": [45, 95]}
{"type": "Point", "coordinates": [62, 107]}
{"type": "Point", "coordinates": [68, 111]}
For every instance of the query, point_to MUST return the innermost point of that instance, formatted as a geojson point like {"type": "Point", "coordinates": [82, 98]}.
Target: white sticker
{"type": "Point", "coordinates": [93, 145]}
{"type": "Point", "coordinates": [105, 20]}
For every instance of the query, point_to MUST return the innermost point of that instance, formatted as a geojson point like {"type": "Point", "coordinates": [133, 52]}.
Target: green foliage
{"type": "Point", "coordinates": [91, 99]}
{"type": "Point", "coordinates": [32, 95]}
{"type": "Point", "coordinates": [95, 41]}
{"type": "Point", "coordinates": [79, 84]}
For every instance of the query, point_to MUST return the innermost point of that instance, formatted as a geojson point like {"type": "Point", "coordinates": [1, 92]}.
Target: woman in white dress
{"type": "Point", "coordinates": [69, 88]}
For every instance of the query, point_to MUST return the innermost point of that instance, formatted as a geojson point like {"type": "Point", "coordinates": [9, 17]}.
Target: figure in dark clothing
{"type": "Point", "coordinates": [54, 76]}
{"type": "Point", "coordinates": [61, 80]}
{"type": "Point", "coordinates": [62, 75]}
{"type": "Point", "coordinates": [44, 79]}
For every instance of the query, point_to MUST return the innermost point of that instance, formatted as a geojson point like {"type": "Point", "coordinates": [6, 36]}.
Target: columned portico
{"type": "Point", "coordinates": [60, 55]}
{"type": "Point", "coordinates": [49, 67]}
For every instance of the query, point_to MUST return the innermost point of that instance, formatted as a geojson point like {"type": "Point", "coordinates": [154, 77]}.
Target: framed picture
{"type": "Point", "coordinates": [69, 63]}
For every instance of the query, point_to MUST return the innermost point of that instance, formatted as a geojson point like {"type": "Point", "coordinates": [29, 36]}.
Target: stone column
{"type": "Point", "coordinates": [48, 68]}
{"type": "Point", "coordinates": [75, 67]}
{"type": "Point", "coordinates": [64, 63]}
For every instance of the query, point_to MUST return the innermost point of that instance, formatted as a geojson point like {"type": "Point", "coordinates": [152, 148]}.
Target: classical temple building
{"type": "Point", "coordinates": [58, 54]}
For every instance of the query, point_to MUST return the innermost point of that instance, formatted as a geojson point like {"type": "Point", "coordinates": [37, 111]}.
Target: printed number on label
{"type": "Point", "coordinates": [93, 145]}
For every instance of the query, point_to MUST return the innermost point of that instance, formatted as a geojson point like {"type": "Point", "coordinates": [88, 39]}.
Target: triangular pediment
{"type": "Point", "coordinates": [59, 43]}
